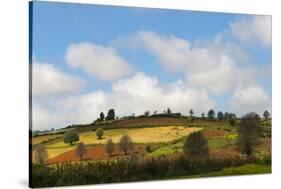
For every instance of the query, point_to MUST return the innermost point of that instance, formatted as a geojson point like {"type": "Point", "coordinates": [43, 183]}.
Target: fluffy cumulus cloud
{"type": "Point", "coordinates": [206, 65]}
{"type": "Point", "coordinates": [253, 29]}
{"type": "Point", "coordinates": [131, 95]}
{"type": "Point", "coordinates": [99, 61]}
{"type": "Point", "coordinates": [250, 99]}
{"type": "Point", "coordinates": [47, 80]}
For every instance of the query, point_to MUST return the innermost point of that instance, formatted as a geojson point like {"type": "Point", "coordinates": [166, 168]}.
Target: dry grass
{"type": "Point", "coordinates": [138, 135]}
{"type": "Point", "coordinates": [44, 138]}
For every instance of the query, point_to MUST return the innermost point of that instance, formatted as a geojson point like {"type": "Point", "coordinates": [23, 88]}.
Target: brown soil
{"type": "Point", "coordinates": [211, 133]}
{"type": "Point", "coordinates": [150, 121]}
{"type": "Point", "coordinates": [224, 153]}
{"type": "Point", "coordinates": [94, 153]}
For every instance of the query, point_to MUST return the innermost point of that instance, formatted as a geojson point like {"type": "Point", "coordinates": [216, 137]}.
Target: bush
{"type": "Point", "coordinates": [148, 149]}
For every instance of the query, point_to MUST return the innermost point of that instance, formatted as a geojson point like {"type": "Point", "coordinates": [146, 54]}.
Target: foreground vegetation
{"type": "Point", "coordinates": [128, 150]}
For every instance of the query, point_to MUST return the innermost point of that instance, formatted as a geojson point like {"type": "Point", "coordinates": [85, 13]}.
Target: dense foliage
{"type": "Point", "coordinates": [196, 145]}
{"type": "Point", "coordinates": [126, 170]}
{"type": "Point", "coordinates": [70, 137]}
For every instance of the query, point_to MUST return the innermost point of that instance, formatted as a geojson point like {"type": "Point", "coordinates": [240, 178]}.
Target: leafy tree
{"type": "Point", "coordinates": [169, 111]}
{"type": "Point", "coordinates": [211, 114]}
{"type": "Point", "coordinates": [196, 145]}
{"type": "Point", "coordinates": [102, 116]}
{"type": "Point", "coordinates": [70, 137]}
{"type": "Point", "coordinates": [147, 113]}
{"type": "Point", "coordinates": [266, 114]}
{"type": "Point", "coordinates": [99, 133]}
{"type": "Point", "coordinates": [155, 112]}
{"type": "Point", "coordinates": [148, 148]}
{"type": "Point", "coordinates": [191, 112]}
{"type": "Point", "coordinates": [203, 115]}
{"type": "Point", "coordinates": [220, 115]}
{"type": "Point", "coordinates": [110, 115]}
{"type": "Point", "coordinates": [81, 150]}
{"type": "Point", "coordinates": [40, 154]}
{"type": "Point", "coordinates": [248, 130]}
{"type": "Point", "coordinates": [109, 146]}
{"type": "Point", "coordinates": [126, 144]}
{"type": "Point", "coordinates": [232, 119]}
{"type": "Point", "coordinates": [226, 115]}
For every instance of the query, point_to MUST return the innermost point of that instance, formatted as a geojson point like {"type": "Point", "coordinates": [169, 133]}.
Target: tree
{"type": "Point", "coordinates": [102, 116]}
{"type": "Point", "coordinates": [109, 146]}
{"type": "Point", "coordinates": [226, 115]}
{"type": "Point", "coordinates": [220, 115]}
{"type": "Point", "coordinates": [169, 111]}
{"type": "Point", "coordinates": [40, 154]}
{"type": "Point", "coordinates": [99, 133]}
{"type": "Point", "coordinates": [110, 115]}
{"type": "Point", "coordinates": [81, 150]}
{"type": "Point", "coordinates": [248, 130]}
{"type": "Point", "coordinates": [147, 113]}
{"type": "Point", "coordinates": [203, 115]}
{"type": "Point", "coordinates": [126, 144]}
{"type": "Point", "coordinates": [211, 114]}
{"type": "Point", "coordinates": [155, 112]}
{"type": "Point", "coordinates": [191, 112]}
{"type": "Point", "coordinates": [266, 114]}
{"type": "Point", "coordinates": [196, 145]}
{"type": "Point", "coordinates": [70, 137]}
{"type": "Point", "coordinates": [232, 119]}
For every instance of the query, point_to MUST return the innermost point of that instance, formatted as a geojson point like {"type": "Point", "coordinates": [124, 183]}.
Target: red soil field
{"type": "Point", "coordinates": [211, 133]}
{"type": "Point", "coordinates": [94, 153]}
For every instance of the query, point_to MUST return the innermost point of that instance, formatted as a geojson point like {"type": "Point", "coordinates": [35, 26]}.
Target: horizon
{"type": "Point", "coordinates": [138, 59]}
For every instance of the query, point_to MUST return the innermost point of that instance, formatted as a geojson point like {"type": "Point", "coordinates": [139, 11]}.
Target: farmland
{"type": "Point", "coordinates": [157, 138]}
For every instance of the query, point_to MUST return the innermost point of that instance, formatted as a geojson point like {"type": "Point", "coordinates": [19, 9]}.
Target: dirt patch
{"type": "Point", "coordinates": [224, 153]}
{"type": "Point", "coordinates": [95, 153]}
{"type": "Point", "coordinates": [211, 133]}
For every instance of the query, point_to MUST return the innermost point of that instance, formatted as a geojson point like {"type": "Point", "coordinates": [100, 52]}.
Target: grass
{"type": "Point", "coordinates": [240, 170]}
{"type": "Point", "coordinates": [166, 150]}
{"type": "Point", "coordinates": [215, 143]}
{"type": "Point", "coordinates": [142, 135]}
{"type": "Point", "coordinates": [44, 138]}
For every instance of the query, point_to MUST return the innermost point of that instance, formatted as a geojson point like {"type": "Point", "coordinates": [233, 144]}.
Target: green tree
{"type": "Point", "coordinates": [248, 130]}
{"type": "Point", "coordinates": [126, 144]}
{"type": "Point", "coordinates": [196, 145]}
{"type": "Point", "coordinates": [169, 111]}
{"type": "Point", "coordinates": [203, 115]}
{"type": "Point", "coordinates": [109, 146]}
{"type": "Point", "coordinates": [266, 114]}
{"type": "Point", "coordinates": [102, 116]}
{"type": "Point", "coordinates": [232, 119]}
{"type": "Point", "coordinates": [226, 115]}
{"type": "Point", "coordinates": [211, 114]}
{"type": "Point", "coordinates": [147, 113]}
{"type": "Point", "coordinates": [220, 115]}
{"type": "Point", "coordinates": [70, 137]}
{"type": "Point", "coordinates": [81, 150]}
{"type": "Point", "coordinates": [191, 113]}
{"type": "Point", "coordinates": [40, 154]}
{"type": "Point", "coordinates": [110, 115]}
{"type": "Point", "coordinates": [99, 133]}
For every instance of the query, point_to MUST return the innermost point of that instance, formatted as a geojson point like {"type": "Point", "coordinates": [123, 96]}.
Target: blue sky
{"type": "Point", "coordinates": [153, 47]}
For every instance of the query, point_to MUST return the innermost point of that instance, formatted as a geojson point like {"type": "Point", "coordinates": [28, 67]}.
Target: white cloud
{"type": "Point", "coordinates": [132, 95]}
{"type": "Point", "coordinates": [253, 29]}
{"type": "Point", "coordinates": [210, 65]}
{"type": "Point", "coordinates": [250, 99]}
{"type": "Point", "coordinates": [48, 80]}
{"type": "Point", "coordinates": [99, 61]}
